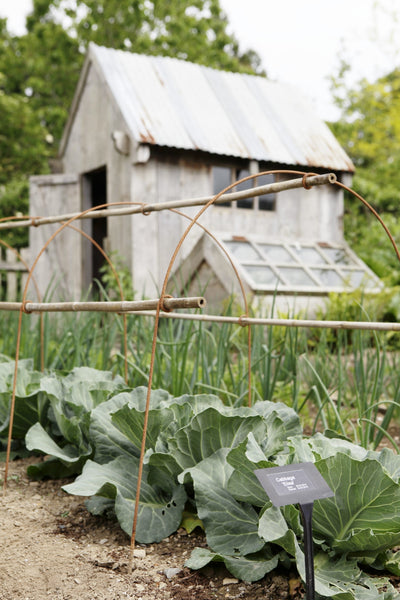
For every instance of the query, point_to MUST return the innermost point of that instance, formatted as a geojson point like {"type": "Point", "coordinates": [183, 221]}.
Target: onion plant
{"type": "Point", "coordinates": [345, 383]}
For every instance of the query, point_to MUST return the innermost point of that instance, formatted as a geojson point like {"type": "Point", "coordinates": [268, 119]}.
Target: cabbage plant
{"type": "Point", "coordinates": [202, 454]}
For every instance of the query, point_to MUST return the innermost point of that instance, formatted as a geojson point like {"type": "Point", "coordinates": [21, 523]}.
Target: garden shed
{"type": "Point", "coordinates": [153, 129]}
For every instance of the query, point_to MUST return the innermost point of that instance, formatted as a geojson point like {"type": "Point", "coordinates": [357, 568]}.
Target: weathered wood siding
{"type": "Point", "coordinates": [155, 237]}
{"type": "Point", "coordinates": [300, 214]}
{"type": "Point", "coordinates": [90, 146]}
{"type": "Point", "coordinates": [60, 264]}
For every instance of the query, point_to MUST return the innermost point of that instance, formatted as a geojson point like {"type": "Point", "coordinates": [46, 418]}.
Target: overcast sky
{"type": "Point", "coordinates": [301, 41]}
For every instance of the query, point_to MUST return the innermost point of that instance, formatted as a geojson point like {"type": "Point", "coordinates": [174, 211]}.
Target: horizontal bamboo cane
{"type": "Point", "coordinates": [362, 325]}
{"type": "Point", "coordinates": [270, 188]}
{"type": "Point", "coordinates": [116, 307]}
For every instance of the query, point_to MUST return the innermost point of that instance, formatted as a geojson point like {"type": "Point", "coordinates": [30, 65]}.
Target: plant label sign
{"type": "Point", "coordinates": [298, 483]}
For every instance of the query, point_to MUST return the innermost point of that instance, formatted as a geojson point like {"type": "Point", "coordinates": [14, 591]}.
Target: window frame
{"type": "Point", "coordinates": [280, 268]}
{"type": "Point", "coordinates": [236, 173]}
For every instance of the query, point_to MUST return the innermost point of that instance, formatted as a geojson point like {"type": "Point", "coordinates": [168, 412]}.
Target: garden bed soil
{"type": "Point", "coordinates": [51, 547]}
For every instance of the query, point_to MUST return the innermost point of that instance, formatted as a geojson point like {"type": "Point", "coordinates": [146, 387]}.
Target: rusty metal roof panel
{"type": "Point", "coordinates": [311, 139]}
{"type": "Point", "coordinates": [207, 119]}
{"type": "Point", "coordinates": [248, 118]}
{"type": "Point", "coordinates": [174, 103]}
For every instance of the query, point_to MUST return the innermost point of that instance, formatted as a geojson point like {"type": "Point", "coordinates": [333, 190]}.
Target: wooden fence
{"type": "Point", "coordinates": [13, 274]}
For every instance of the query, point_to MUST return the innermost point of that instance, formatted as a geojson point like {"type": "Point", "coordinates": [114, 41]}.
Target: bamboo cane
{"type": "Point", "coordinates": [244, 321]}
{"type": "Point", "coordinates": [270, 188]}
{"type": "Point", "coordinates": [117, 307]}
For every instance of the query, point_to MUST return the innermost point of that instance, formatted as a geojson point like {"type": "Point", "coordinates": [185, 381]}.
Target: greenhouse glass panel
{"type": "Point", "coordinates": [308, 255]}
{"type": "Point", "coordinates": [339, 256]}
{"type": "Point", "coordinates": [262, 275]}
{"type": "Point", "coordinates": [242, 251]}
{"type": "Point", "coordinates": [329, 277]}
{"type": "Point", "coordinates": [276, 254]}
{"type": "Point", "coordinates": [299, 267]}
{"type": "Point", "coordinates": [297, 277]}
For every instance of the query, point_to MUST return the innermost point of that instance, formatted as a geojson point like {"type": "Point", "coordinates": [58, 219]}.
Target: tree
{"type": "Point", "coordinates": [22, 137]}
{"type": "Point", "coordinates": [193, 30]}
{"type": "Point", "coordinates": [369, 130]}
{"type": "Point", "coordinates": [23, 146]}
{"type": "Point", "coordinates": [39, 70]}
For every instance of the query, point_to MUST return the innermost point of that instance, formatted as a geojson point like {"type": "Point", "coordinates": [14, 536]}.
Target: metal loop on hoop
{"type": "Point", "coordinates": [304, 181]}
{"type": "Point", "coordinates": [240, 320]}
{"type": "Point", "coordinates": [144, 212]}
{"type": "Point", "coordinates": [162, 305]}
{"type": "Point", "coordinates": [24, 309]}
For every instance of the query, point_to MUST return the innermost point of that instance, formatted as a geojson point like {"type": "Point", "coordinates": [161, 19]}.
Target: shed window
{"type": "Point", "coordinates": [310, 267]}
{"type": "Point", "coordinates": [267, 201]}
{"type": "Point", "coordinates": [224, 176]}
{"type": "Point", "coordinates": [245, 185]}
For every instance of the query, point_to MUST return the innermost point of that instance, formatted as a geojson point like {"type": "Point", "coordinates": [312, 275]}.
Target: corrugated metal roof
{"type": "Point", "coordinates": [174, 103]}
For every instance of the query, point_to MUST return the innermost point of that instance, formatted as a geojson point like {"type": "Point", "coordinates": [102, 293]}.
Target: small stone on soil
{"type": "Point", "coordinates": [172, 572]}
{"type": "Point", "coordinates": [229, 581]}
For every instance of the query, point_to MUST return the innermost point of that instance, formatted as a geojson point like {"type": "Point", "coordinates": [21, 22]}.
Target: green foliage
{"type": "Point", "coordinates": [215, 471]}
{"type": "Point", "coordinates": [113, 285]}
{"type": "Point", "coordinates": [64, 434]}
{"type": "Point", "coordinates": [183, 433]}
{"type": "Point", "coordinates": [201, 456]}
{"type": "Point", "coordinates": [368, 239]}
{"type": "Point", "coordinates": [14, 202]}
{"type": "Point", "coordinates": [383, 306]}
{"type": "Point", "coordinates": [48, 63]}
{"type": "Point", "coordinates": [30, 404]}
{"type": "Point", "coordinates": [194, 30]}
{"type": "Point", "coordinates": [336, 380]}
{"type": "Point", "coordinates": [350, 375]}
{"type": "Point", "coordinates": [23, 145]}
{"type": "Point", "coordinates": [369, 129]}
{"type": "Point", "coordinates": [22, 138]}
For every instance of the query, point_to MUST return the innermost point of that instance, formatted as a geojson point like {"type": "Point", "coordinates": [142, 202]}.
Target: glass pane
{"type": "Point", "coordinates": [245, 185]}
{"type": "Point", "coordinates": [262, 275]}
{"type": "Point", "coordinates": [221, 178]}
{"type": "Point", "coordinates": [276, 254]}
{"type": "Point", "coordinates": [308, 255]}
{"type": "Point", "coordinates": [242, 251]}
{"type": "Point", "coordinates": [329, 277]}
{"type": "Point", "coordinates": [297, 276]}
{"type": "Point", "coordinates": [357, 278]}
{"type": "Point", "coordinates": [338, 255]}
{"type": "Point", "coordinates": [267, 201]}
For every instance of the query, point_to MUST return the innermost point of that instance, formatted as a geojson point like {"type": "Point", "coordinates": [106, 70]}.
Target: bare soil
{"type": "Point", "coordinates": [51, 547]}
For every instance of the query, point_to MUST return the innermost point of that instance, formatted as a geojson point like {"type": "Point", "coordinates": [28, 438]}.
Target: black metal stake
{"type": "Point", "coordinates": [306, 517]}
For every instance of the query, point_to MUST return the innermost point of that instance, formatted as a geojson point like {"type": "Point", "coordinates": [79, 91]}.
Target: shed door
{"type": "Point", "coordinates": [94, 185]}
